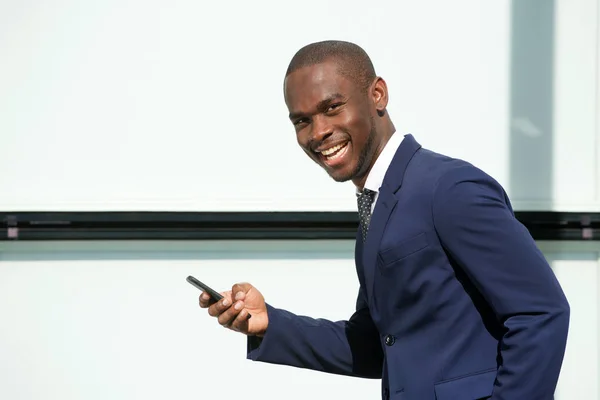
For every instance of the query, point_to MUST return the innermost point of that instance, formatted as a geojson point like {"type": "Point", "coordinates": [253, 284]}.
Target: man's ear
{"type": "Point", "coordinates": [379, 95]}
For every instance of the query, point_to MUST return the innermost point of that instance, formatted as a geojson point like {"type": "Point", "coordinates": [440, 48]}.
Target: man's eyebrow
{"type": "Point", "coordinates": [323, 104]}
{"type": "Point", "coordinates": [296, 115]}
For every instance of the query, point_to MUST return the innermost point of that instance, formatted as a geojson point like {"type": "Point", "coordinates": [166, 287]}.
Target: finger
{"type": "Point", "coordinates": [219, 307]}
{"type": "Point", "coordinates": [227, 317]}
{"type": "Point", "coordinates": [240, 323]}
{"type": "Point", "coordinates": [239, 295]}
{"type": "Point", "coordinates": [205, 300]}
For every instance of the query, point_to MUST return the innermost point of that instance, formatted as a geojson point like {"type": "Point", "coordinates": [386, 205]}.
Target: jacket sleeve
{"type": "Point", "coordinates": [477, 228]}
{"type": "Point", "coordinates": [350, 347]}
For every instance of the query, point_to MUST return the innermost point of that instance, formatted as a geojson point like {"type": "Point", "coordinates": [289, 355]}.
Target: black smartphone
{"type": "Point", "coordinates": [216, 296]}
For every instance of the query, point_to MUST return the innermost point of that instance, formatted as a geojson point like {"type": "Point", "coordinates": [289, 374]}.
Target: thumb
{"type": "Point", "coordinates": [242, 287]}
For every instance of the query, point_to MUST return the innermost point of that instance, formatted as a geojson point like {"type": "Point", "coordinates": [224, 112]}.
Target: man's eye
{"type": "Point", "coordinates": [333, 107]}
{"type": "Point", "coordinates": [299, 121]}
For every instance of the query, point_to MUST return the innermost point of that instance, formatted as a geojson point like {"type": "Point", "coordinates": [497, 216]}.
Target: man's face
{"type": "Point", "coordinates": [334, 120]}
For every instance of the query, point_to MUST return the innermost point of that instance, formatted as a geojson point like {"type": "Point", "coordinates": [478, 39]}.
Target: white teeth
{"type": "Point", "coordinates": [332, 149]}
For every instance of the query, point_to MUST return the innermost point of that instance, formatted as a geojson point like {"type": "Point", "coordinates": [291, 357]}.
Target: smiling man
{"type": "Point", "coordinates": [455, 299]}
{"type": "Point", "coordinates": [338, 110]}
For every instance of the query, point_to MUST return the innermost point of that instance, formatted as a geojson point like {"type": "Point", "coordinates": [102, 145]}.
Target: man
{"type": "Point", "coordinates": [455, 299]}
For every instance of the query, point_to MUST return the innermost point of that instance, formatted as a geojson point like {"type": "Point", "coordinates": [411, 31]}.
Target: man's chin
{"type": "Point", "coordinates": [340, 176]}
{"type": "Point", "coordinates": [341, 179]}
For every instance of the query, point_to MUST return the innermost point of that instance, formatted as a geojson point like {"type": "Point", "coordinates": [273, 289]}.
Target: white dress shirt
{"type": "Point", "coordinates": [377, 173]}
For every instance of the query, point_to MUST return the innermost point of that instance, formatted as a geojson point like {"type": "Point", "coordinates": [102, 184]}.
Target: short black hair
{"type": "Point", "coordinates": [353, 61]}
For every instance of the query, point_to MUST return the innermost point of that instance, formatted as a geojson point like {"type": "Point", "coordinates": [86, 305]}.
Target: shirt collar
{"type": "Point", "coordinates": [379, 169]}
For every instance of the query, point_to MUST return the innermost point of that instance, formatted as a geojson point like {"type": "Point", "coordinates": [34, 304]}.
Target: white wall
{"type": "Point", "coordinates": [119, 321]}
{"type": "Point", "coordinates": [554, 141]}
{"type": "Point", "coordinates": [136, 104]}
{"type": "Point", "coordinates": [98, 320]}
{"type": "Point", "coordinates": [577, 266]}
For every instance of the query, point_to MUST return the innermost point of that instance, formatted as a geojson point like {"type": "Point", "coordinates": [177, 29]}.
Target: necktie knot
{"type": "Point", "coordinates": [365, 201]}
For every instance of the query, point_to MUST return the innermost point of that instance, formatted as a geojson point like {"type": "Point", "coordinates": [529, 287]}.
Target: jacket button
{"type": "Point", "coordinates": [390, 340]}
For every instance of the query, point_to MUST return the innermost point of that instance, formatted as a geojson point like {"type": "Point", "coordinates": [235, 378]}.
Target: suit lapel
{"type": "Point", "coordinates": [381, 214]}
{"type": "Point", "coordinates": [386, 203]}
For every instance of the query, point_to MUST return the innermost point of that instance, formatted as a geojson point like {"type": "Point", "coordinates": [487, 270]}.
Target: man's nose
{"type": "Point", "coordinates": [321, 130]}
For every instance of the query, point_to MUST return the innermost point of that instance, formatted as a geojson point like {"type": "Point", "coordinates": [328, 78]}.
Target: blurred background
{"type": "Point", "coordinates": [144, 141]}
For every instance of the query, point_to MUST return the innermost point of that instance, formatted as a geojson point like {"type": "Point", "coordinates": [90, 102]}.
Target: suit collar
{"type": "Point", "coordinates": [395, 173]}
{"type": "Point", "coordinates": [383, 162]}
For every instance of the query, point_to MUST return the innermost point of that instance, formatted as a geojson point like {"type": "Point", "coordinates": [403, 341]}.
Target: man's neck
{"type": "Point", "coordinates": [374, 178]}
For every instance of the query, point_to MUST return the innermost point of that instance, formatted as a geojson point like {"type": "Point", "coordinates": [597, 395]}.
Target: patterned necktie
{"type": "Point", "coordinates": [365, 200]}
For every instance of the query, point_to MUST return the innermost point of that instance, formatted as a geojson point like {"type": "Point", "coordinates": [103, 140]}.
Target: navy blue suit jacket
{"type": "Point", "coordinates": [455, 301]}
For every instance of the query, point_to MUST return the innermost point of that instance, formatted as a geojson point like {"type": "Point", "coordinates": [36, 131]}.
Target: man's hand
{"type": "Point", "coordinates": [233, 310]}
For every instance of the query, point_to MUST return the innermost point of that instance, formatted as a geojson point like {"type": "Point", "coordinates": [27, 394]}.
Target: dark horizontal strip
{"type": "Point", "coordinates": [244, 225]}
